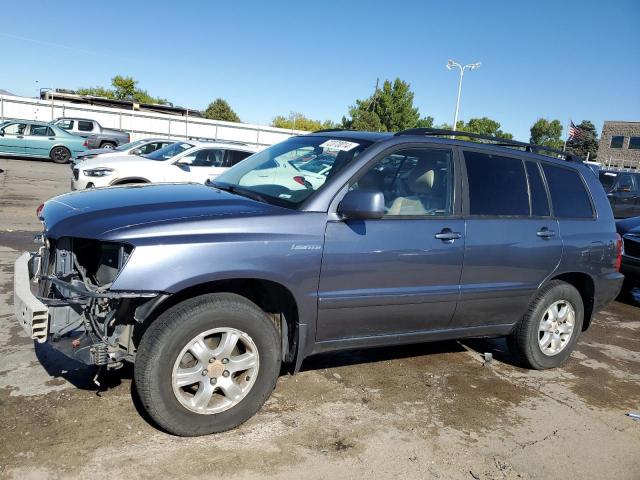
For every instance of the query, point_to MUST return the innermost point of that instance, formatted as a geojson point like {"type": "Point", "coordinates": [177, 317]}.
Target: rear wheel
{"type": "Point", "coordinates": [60, 154]}
{"type": "Point", "coordinates": [548, 332]}
{"type": "Point", "coordinates": [108, 145]}
{"type": "Point", "coordinates": [207, 364]}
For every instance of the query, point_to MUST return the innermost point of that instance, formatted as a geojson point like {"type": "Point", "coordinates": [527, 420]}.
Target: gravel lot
{"type": "Point", "coordinates": [423, 411]}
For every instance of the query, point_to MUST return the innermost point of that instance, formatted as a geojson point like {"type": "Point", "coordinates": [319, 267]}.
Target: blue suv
{"type": "Point", "coordinates": [399, 238]}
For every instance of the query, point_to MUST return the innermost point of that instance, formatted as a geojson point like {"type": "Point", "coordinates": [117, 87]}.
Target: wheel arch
{"type": "Point", "coordinates": [129, 180]}
{"type": "Point", "coordinates": [273, 298]}
{"type": "Point", "coordinates": [583, 282]}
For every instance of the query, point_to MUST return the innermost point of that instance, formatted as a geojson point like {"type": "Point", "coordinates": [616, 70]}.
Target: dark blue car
{"type": "Point", "coordinates": [412, 237]}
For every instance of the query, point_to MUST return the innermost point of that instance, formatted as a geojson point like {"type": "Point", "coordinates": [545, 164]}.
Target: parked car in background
{"type": "Point", "coordinates": [629, 229]}
{"type": "Point", "coordinates": [97, 136]}
{"type": "Point", "coordinates": [623, 192]}
{"type": "Point", "coordinates": [411, 237]}
{"type": "Point", "coordinates": [24, 138]}
{"type": "Point", "coordinates": [139, 147]}
{"type": "Point", "coordinates": [180, 162]}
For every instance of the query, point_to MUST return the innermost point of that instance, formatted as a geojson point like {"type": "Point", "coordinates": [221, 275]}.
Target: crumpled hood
{"type": "Point", "coordinates": [114, 160]}
{"type": "Point", "coordinates": [628, 225]}
{"type": "Point", "coordinates": [104, 213]}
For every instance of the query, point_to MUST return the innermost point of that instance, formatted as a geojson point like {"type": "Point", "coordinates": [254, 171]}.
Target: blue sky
{"type": "Point", "coordinates": [554, 59]}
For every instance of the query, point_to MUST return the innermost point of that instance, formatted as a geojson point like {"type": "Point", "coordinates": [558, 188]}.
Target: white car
{"type": "Point", "coordinates": [291, 173]}
{"type": "Point", "coordinates": [188, 161]}
{"type": "Point", "coordinates": [139, 147]}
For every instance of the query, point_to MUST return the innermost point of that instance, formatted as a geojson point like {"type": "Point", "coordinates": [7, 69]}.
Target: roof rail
{"type": "Point", "coordinates": [501, 142]}
{"type": "Point", "coordinates": [331, 130]}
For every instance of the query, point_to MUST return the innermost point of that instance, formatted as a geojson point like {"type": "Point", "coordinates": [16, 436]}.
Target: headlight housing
{"type": "Point", "coordinates": [98, 172]}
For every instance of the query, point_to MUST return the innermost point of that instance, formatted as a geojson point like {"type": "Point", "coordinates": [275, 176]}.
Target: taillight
{"type": "Point", "coordinates": [300, 180]}
{"type": "Point", "coordinates": [619, 249]}
{"type": "Point", "coordinates": [39, 210]}
{"type": "Point", "coordinates": [86, 143]}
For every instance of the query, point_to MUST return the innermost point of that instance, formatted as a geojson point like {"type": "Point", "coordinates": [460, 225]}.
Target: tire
{"type": "Point", "coordinates": [108, 145]}
{"type": "Point", "coordinates": [525, 340]}
{"type": "Point", "coordinates": [167, 338]}
{"type": "Point", "coordinates": [60, 155]}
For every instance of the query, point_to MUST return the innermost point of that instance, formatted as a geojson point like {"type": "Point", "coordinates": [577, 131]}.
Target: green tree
{"type": "Point", "coordinates": [547, 132]}
{"type": "Point", "coordinates": [484, 126]}
{"type": "Point", "coordinates": [387, 109]}
{"type": "Point", "coordinates": [219, 109]}
{"type": "Point", "coordinates": [124, 88]}
{"type": "Point", "coordinates": [297, 121]}
{"type": "Point", "coordinates": [587, 143]}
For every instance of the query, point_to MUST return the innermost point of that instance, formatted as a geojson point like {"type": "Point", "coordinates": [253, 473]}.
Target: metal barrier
{"type": "Point", "coordinates": [143, 124]}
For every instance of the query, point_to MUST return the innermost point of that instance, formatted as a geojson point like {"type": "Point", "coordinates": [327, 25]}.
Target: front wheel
{"type": "Point", "coordinates": [60, 155]}
{"type": "Point", "coordinates": [546, 335]}
{"type": "Point", "coordinates": [207, 364]}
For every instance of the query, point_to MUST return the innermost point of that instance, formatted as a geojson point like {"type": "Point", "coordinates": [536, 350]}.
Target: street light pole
{"type": "Point", "coordinates": [450, 65]}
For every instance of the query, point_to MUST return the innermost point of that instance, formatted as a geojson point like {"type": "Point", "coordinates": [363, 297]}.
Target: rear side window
{"type": "Point", "coordinates": [497, 185]}
{"type": "Point", "coordinates": [236, 156]}
{"type": "Point", "coordinates": [569, 196]}
{"type": "Point", "coordinates": [539, 201]}
{"type": "Point", "coordinates": [66, 124]}
{"type": "Point", "coordinates": [85, 126]}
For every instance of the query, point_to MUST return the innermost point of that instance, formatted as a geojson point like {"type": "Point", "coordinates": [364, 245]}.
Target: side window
{"type": "Point", "coordinates": [205, 158]}
{"type": "Point", "coordinates": [537, 191]}
{"type": "Point", "coordinates": [569, 196]}
{"type": "Point", "coordinates": [497, 185]}
{"type": "Point", "coordinates": [41, 131]}
{"type": "Point", "coordinates": [626, 183]}
{"type": "Point", "coordinates": [85, 126]}
{"type": "Point", "coordinates": [66, 124]}
{"type": "Point", "coordinates": [236, 156]}
{"type": "Point", "coordinates": [150, 147]}
{"type": "Point", "coordinates": [415, 182]}
{"type": "Point", "coordinates": [15, 129]}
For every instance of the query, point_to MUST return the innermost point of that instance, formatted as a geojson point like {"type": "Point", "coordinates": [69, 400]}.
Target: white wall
{"type": "Point", "coordinates": [143, 124]}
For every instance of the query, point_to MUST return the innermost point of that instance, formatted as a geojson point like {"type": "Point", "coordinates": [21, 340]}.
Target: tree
{"type": "Point", "coordinates": [124, 88]}
{"type": "Point", "coordinates": [219, 109]}
{"type": "Point", "coordinates": [297, 121]}
{"type": "Point", "coordinates": [587, 143]}
{"type": "Point", "coordinates": [388, 109]}
{"type": "Point", "coordinates": [484, 126]}
{"type": "Point", "coordinates": [548, 133]}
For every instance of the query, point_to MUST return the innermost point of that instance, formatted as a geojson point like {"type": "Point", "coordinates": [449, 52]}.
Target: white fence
{"type": "Point", "coordinates": [143, 124]}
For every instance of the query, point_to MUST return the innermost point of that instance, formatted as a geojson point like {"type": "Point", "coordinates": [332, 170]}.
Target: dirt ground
{"type": "Point", "coordinates": [431, 411]}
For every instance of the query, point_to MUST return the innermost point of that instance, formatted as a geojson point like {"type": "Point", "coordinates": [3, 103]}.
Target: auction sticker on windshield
{"type": "Point", "coordinates": [341, 145]}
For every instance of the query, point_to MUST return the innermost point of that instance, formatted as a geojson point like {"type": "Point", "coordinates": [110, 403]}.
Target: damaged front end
{"type": "Point", "coordinates": [62, 296]}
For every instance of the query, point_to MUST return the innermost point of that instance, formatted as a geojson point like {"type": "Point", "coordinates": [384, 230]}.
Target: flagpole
{"type": "Point", "coordinates": [566, 137]}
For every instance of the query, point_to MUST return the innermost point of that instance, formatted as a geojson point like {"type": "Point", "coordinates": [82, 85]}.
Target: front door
{"type": "Point", "coordinates": [512, 241]}
{"type": "Point", "coordinates": [399, 274]}
{"type": "Point", "coordinates": [198, 166]}
{"type": "Point", "coordinates": [39, 141]}
{"type": "Point", "coordinates": [12, 138]}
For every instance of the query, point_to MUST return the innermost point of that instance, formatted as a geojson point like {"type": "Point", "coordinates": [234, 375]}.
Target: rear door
{"type": "Point", "coordinates": [85, 128]}
{"type": "Point", "coordinates": [39, 140]}
{"type": "Point", "coordinates": [12, 138]}
{"type": "Point", "coordinates": [398, 275]}
{"type": "Point", "coordinates": [512, 241]}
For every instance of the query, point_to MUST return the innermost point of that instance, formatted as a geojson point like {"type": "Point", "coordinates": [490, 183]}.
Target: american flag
{"type": "Point", "coordinates": [575, 132]}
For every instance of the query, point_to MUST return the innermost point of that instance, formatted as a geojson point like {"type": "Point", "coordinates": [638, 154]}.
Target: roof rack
{"type": "Point", "coordinates": [501, 142]}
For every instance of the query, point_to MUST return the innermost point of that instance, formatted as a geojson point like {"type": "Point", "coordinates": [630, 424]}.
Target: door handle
{"type": "Point", "coordinates": [447, 235]}
{"type": "Point", "coordinates": [52, 138]}
{"type": "Point", "coordinates": [544, 232]}
{"type": "Point", "coordinates": [19, 136]}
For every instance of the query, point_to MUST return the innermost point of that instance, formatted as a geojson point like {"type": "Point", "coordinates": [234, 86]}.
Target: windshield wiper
{"type": "Point", "coordinates": [241, 192]}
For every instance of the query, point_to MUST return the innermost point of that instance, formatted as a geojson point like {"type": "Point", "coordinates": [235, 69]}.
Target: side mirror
{"type": "Point", "coordinates": [362, 205]}
{"type": "Point", "coordinates": [135, 151]}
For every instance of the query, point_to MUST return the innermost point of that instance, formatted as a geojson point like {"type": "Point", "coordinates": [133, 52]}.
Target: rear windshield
{"type": "Point", "coordinates": [608, 180]}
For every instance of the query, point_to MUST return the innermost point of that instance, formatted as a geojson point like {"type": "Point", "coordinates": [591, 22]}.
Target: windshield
{"type": "Point", "coordinates": [169, 151]}
{"type": "Point", "coordinates": [608, 180]}
{"type": "Point", "coordinates": [291, 171]}
{"type": "Point", "coordinates": [127, 146]}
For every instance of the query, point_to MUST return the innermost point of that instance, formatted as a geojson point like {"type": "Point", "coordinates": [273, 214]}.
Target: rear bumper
{"type": "Point", "coordinates": [608, 287]}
